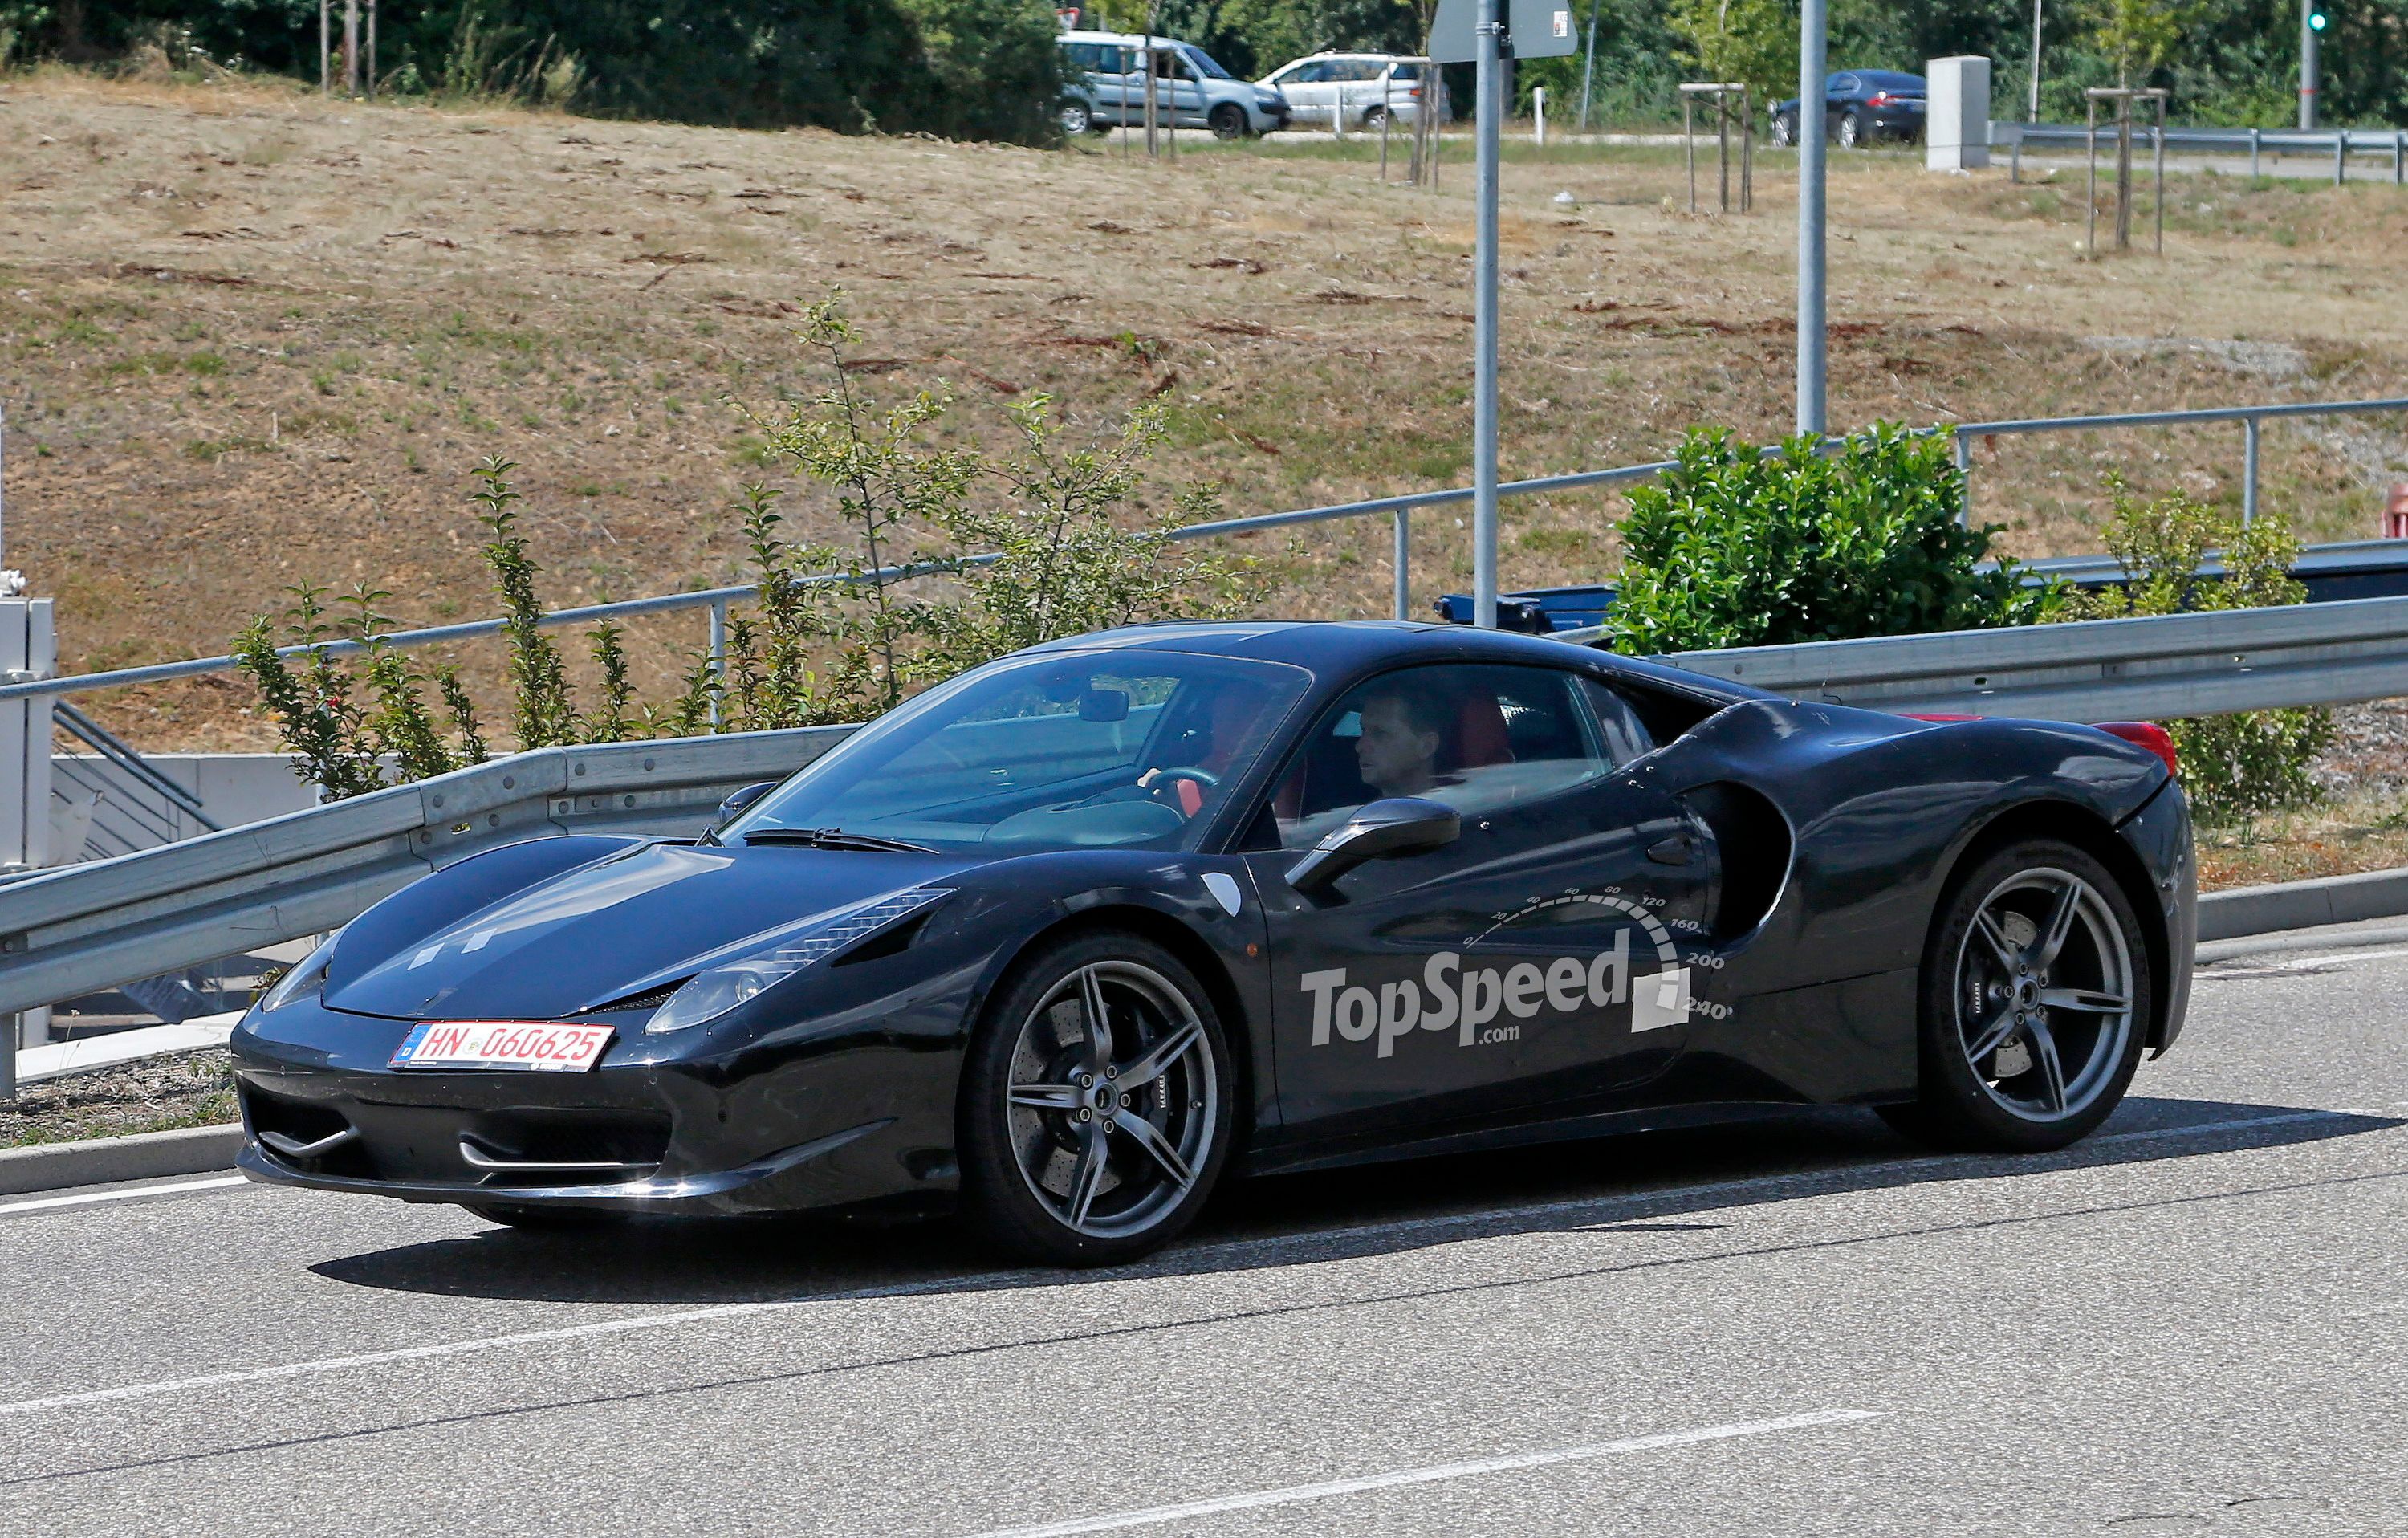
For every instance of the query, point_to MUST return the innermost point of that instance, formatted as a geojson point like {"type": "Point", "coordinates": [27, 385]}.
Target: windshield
{"type": "Point", "coordinates": [1063, 751]}
{"type": "Point", "coordinates": [1205, 61]}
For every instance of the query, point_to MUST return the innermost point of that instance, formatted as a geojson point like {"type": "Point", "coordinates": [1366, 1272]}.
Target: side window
{"type": "Point", "coordinates": [1482, 739]}
{"type": "Point", "coordinates": [1620, 731]}
{"type": "Point", "coordinates": [1315, 73]}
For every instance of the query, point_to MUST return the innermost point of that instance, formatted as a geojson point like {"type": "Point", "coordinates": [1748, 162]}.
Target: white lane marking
{"type": "Point", "coordinates": [50, 1203]}
{"type": "Point", "coordinates": [903, 1289]}
{"type": "Point", "coordinates": [1296, 1493]}
{"type": "Point", "coordinates": [2317, 960]}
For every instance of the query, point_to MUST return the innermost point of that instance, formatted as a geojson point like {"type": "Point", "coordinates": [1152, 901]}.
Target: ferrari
{"type": "Point", "coordinates": [1063, 943]}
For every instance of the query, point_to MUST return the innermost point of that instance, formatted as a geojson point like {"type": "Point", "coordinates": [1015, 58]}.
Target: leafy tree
{"type": "Point", "coordinates": [1753, 41]}
{"type": "Point", "coordinates": [2135, 37]}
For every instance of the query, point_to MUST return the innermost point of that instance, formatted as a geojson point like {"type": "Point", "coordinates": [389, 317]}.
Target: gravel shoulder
{"type": "Point", "coordinates": [156, 1095]}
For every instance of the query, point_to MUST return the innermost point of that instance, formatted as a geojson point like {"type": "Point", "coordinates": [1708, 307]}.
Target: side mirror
{"type": "Point", "coordinates": [1403, 824]}
{"type": "Point", "coordinates": [737, 800]}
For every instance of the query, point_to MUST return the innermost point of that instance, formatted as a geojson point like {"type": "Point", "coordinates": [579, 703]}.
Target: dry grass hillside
{"type": "Point", "coordinates": [252, 338]}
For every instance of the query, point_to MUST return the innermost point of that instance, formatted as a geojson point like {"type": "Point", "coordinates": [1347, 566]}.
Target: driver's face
{"type": "Point", "coordinates": [1394, 758]}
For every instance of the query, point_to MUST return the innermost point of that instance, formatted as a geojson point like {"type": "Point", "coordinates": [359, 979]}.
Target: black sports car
{"type": "Point", "coordinates": [1063, 940]}
{"type": "Point", "coordinates": [1860, 105]}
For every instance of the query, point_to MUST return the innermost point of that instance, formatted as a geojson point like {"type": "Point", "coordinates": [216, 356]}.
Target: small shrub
{"type": "Point", "coordinates": [1738, 548]}
{"type": "Point", "coordinates": [2237, 767]}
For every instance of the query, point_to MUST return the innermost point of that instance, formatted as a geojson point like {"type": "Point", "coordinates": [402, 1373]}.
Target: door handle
{"type": "Point", "coordinates": [1672, 851]}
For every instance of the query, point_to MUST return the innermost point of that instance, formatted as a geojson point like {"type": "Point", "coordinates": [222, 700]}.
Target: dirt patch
{"type": "Point", "coordinates": [252, 338]}
{"type": "Point", "coordinates": [155, 1094]}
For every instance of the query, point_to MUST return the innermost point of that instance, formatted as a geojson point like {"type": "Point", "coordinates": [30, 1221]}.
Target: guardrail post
{"type": "Point", "coordinates": [718, 653]}
{"type": "Point", "coordinates": [2399, 157]}
{"type": "Point", "coordinates": [1402, 561]}
{"type": "Point", "coordinates": [2248, 471]}
{"type": "Point", "coordinates": [2253, 155]}
{"type": "Point", "coordinates": [1965, 470]}
{"type": "Point", "coordinates": [2340, 153]}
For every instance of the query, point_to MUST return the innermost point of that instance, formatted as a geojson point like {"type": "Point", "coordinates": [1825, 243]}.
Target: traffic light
{"type": "Point", "coordinates": [2315, 20]}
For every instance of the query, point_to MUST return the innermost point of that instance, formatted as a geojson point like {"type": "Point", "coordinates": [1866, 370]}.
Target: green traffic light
{"type": "Point", "coordinates": [2316, 21]}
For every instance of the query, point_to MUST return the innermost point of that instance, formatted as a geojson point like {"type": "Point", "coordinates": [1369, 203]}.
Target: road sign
{"type": "Point", "coordinates": [1537, 29]}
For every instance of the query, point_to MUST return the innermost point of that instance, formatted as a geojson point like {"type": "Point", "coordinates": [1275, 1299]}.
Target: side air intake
{"type": "Point", "coordinates": [1754, 839]}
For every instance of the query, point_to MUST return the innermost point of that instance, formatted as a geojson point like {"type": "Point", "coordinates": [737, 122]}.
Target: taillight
{"type": "Point", "coordinates": [1879, 99]}
{"type": "Point", "coordinates": [2146, 734]}
{"type": "Point", "coordinates": [1922, 715]}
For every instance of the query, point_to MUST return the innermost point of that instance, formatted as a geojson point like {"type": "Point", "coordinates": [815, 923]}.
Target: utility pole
{"type": "Point", "coordinates": [1489, 104]}
{"type": "Point", "coordinates": [1812, 97]}
{"type": "Point", "coordinates": [2032, 113]}
{"type": "Point", "coordinates": [2311, 67]}
{"type": "Point", "coordinates": [326, 48]}
{"type": "Point", "coordinates": [350, 48]}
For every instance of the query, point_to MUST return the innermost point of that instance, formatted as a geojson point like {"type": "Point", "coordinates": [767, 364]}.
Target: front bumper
{"type": "Point", "coordinates": [819, 1126]}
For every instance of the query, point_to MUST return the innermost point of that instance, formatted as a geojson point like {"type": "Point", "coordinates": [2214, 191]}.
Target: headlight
{"type": "Point", "coordinates": [716, 990]}
{"type": "Point", "coordinates": [303, 980]}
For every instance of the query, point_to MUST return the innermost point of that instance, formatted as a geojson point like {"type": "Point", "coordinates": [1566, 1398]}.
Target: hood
{"type": "Point", "coordinates": [585, 937]}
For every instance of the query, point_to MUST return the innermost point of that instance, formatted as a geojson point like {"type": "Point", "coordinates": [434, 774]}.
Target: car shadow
{"type": "Point", "coordinates": [1667, 1182]}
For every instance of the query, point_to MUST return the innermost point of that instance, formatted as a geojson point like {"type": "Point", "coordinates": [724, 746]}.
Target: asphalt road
{"type": "Point", "coordinates": [2195, 1323]}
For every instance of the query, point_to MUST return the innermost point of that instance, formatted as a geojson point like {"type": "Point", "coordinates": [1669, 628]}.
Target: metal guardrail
{"type": "Point", "coordinates": [2149, 669]}
{"type": "Point", "coordinates": [2338, 143]}
{"type": "Point", "coordinates": [80, 928]}
{"type": "Point", "coordinates": [1399, 508]}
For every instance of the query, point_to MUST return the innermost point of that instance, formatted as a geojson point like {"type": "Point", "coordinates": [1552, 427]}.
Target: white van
{"type": "Point", "coordinates": [1103, 77]}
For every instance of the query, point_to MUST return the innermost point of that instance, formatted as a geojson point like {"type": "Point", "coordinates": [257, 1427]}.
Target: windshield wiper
{"type": "Point", "coordinates": [834, 838]}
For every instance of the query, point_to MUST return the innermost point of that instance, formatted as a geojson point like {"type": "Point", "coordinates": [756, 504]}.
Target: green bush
{"type": "Point", "coordinates": [2235, 767]}
{"type": "Point", "coordinates": [1738, 548]}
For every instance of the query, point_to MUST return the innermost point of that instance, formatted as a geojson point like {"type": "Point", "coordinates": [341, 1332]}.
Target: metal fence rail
{"type": "Point", "coordinates": [86, 928]}
{"type": "Point", "coordinates": [1399, 511]}
{"type": "Point", "coordinates": [2337, 143]}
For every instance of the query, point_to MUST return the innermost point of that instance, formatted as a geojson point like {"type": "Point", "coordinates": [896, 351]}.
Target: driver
{"type": "Point", "coordinates": [1397, 752]}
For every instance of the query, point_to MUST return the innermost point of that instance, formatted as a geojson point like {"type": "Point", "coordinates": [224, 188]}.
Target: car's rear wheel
{"type": "Point", "coordinates": [1852, 131]}
{"type": "Point", "coordinates": [1095, 1103]}
{"type": "Point", "coordinates": [1785, 131]}
{"type": "Point", "coordinates": [2034, 1003]}
{"type": "Point", "coordinates": [1228, 122]}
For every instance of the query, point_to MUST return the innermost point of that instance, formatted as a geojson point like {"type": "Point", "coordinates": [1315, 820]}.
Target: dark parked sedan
{"type": "Point", "coordinates": [1860, 105]}
{"type": "Point", "coordinates": [1066, 940]}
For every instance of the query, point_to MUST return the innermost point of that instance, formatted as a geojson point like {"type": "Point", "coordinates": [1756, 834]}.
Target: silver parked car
{"type": "Point", "coordinates": [1357, 89]}
{"type": "Point", "coordinates": [1104, 86]}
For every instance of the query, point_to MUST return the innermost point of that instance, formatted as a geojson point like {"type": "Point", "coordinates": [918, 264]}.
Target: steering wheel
{"type": "Point", "coordinates": [1164, 778]}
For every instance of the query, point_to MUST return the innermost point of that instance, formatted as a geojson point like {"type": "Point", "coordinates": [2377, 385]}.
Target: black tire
{"type": "Point", "coordinates": [1228, 122]}
{"type": "Point", "coordinates": [1077, 119]}
{"type": "Point", "coordinates": [544, 1219]}
{"type": "Point", "coordinates": [1785, 131]}
{"type": "Point", "coordinates": [1062, 1173]}
{"type": "Point", "coordinates": [1372, 117]}
{"type": "Point", "coordinates": [2019, 1048]}
{"type": "Point", "coordinates": [1852, 131]}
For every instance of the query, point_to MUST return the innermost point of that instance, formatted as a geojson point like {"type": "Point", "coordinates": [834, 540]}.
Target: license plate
{"type": "Point", "coordinates": [532, 1048]}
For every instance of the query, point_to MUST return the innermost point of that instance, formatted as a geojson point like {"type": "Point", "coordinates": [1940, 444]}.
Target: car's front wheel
{"type": "Point", "coordinates": [1076, 118]}
{"type": "Point", "coordinates": [1228, 120]}
{"type": "Point", "coordinates": [2034, 1003]}
{"type": "Point", "coordinates": [1096, 1104]}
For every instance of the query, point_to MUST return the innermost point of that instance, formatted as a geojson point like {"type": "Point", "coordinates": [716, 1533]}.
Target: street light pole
{"type": "Point", "coordinates": [2032, 112]}
{"type": "Point", "coordinates": [2309, 65]}
{"type": "Point", "coordinates": [1489, 104]}
{"type": "Point", "coordinates": [1811, 100]}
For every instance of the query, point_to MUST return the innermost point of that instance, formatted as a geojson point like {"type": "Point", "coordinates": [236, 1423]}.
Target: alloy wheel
{"type": "Point", "coordinates": [2044, 995]}
{"type": "Point", "coordinates": [1112, 1098]}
